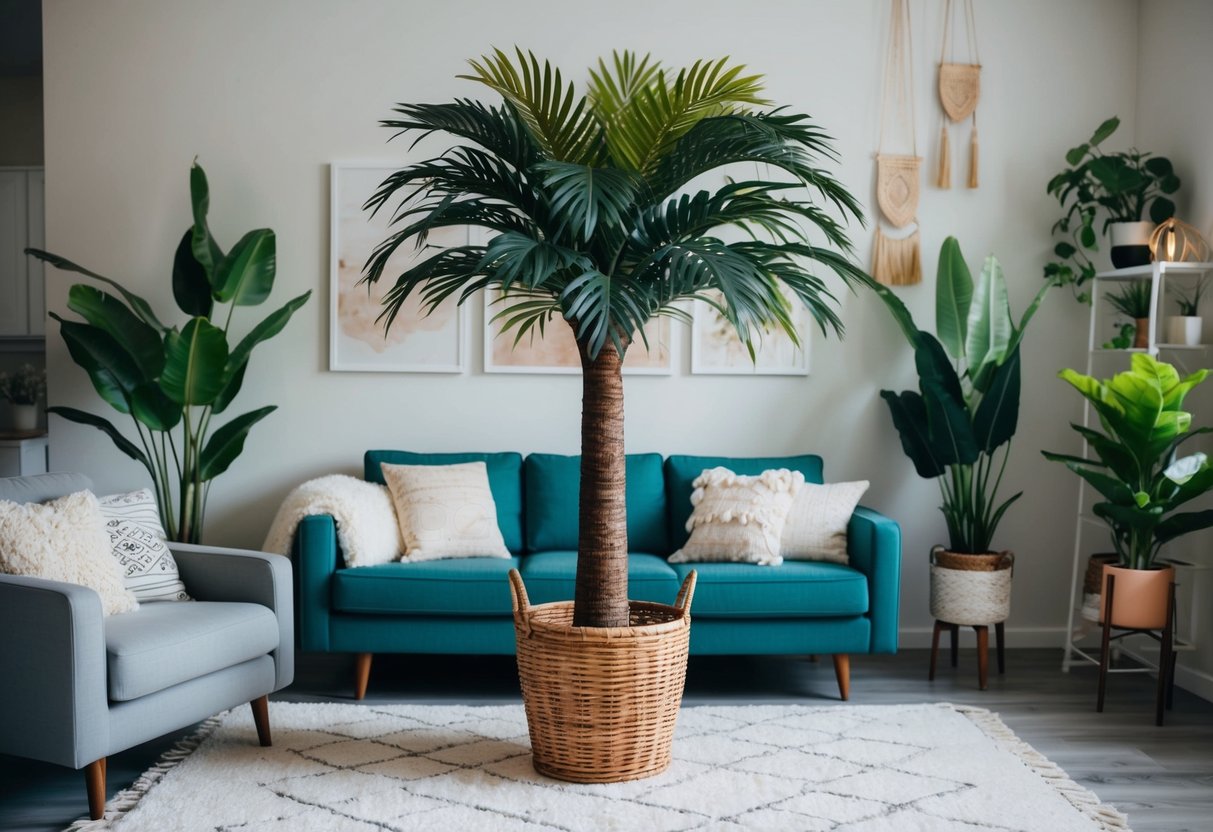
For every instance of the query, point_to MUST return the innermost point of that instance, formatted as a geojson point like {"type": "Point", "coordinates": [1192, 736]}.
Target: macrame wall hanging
{"type": "Point", "coordinates": [959, 88]}
{"type": "Point", "coordinates": [896, 261]}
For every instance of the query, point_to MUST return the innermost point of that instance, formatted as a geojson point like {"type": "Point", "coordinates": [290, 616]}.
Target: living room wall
{"type": "Point", "coordinates": [267, 94]}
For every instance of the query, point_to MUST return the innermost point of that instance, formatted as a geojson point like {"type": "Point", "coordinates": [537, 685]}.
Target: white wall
{"type": "Point", "coordinates": [266, 94]}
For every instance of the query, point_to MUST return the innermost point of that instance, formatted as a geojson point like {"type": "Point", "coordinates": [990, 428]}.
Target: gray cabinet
{"type": "Point", "coordinates": [22, 224]}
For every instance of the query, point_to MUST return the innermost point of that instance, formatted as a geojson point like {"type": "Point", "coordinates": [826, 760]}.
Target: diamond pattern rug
{"type": "Point", "coordinates": [370, 768]}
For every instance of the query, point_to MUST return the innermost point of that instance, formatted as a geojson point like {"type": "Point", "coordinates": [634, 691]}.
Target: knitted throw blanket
{"type": "Point", "coordinates": [367, 530]}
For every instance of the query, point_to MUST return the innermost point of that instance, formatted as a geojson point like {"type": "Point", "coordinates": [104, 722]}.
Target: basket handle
{"type": "Point", "coordinates": [521, 603]}
{"type": "Point", "coordinates": [686, 593]}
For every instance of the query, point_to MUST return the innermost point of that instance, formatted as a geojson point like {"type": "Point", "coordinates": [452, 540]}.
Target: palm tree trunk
{"type": "Point", "coordinates": [601, 596]}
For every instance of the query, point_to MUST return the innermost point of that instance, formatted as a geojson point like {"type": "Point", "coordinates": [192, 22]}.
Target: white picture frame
{"type": "Point", "coordinates": [556, 353]}
{"type": "Point", "coordinates": [357, 343]}
{"type": "Point", "coordinates": [716, 349]}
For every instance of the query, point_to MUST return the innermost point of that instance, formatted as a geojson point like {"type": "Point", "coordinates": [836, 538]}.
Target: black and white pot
{"type": "Point", "coordinates": [1130, 243]}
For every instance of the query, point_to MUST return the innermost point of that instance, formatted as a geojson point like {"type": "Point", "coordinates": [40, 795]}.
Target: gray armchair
{"type": "Point", "coordinates": [77, 686]}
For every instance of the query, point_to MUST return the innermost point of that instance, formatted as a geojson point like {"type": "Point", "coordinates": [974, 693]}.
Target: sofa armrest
{"type": "Point", "coordinates": [213, 573]}
{"type": "Point", "coordinates": [53, 701]}
{"type": "Point", "coordinates": [874, 546]}
{"type": "Point", "coordinates": [316, 557]}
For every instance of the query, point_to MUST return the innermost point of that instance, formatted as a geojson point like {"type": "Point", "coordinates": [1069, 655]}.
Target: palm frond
{"type": "Point", "coordinates": [585, 196]}
{"type": "Point", "coordinates": [559, 121]}
{"type": "Point", "coordinates": [515, 258]}
{"type": "Point", "coordinates": [495, 129]}
{"type": "Point", "coordinates": [437, 277]}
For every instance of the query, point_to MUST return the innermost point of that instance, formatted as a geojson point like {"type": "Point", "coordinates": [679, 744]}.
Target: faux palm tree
{"type": "Point", "coordinates": [592, 219]}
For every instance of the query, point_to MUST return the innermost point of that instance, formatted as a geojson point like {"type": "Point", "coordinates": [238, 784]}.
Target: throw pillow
{"type": "Point", "coordinates": [445, 511]}
{"type": "Point", "coordinates": [63, 540]}
{"type": "Point", "coordinates": [137, 542]}
{"type": "Point", "coordinates": [817, 524]}
{"type": "Point", "coordinates": [739, 518]}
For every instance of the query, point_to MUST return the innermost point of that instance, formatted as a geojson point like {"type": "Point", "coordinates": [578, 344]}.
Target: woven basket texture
{"type": "Point", "coordinates": [897, 188]}
{"type": "Point", "coordinates": [976, 591]}
{"type": "Point", "coordinates": [959, 89]}
{"type": "Point", "coordinates": [601, 702]}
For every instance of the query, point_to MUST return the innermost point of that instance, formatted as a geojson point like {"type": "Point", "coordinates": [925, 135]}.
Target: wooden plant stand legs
{"type": "Point", "coordinates": [1166, 654]}
{"type": "Point", "coordinates": [362, 673]}
{"type": "Point", "coordinates": [261, 718]}
{"type": "Point", "coordinates": [842, 672]}
{"type": "Point", "coordinates": [983, 649]}
{"type": "Point", "coordinates": [94, 781]}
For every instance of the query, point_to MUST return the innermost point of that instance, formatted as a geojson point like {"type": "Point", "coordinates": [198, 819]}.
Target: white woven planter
{"type": "Point", "coordinates": [971, 596]}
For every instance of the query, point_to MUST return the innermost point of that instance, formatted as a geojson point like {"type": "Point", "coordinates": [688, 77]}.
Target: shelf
{"type": "Point", "coordinates": [1146, 271]}
{"type": "Point", "coordinates": [1169, 347]}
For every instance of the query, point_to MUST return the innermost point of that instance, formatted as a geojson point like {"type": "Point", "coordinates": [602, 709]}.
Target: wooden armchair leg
{"type": "Point", "coordinates": [261, 718]}
{"type": "Point", "coordinates": [94, 781]}
{"type": "Point", "coordinates": [362, 673]}
{"type": "Point", "coordinates": [842, 672]}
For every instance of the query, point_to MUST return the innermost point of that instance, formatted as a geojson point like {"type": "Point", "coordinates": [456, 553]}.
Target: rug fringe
{"type": "Point", "coordinates": [1080, 797]}
{"type": "Point", "coordinates": [128, 798]}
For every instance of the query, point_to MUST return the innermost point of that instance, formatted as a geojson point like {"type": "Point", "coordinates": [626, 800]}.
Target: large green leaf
{"type": "Point", "coordinates": [206, 251]}
{"type": "Point", "coordinates": [246, 274]}
{"type": "Point", "coordinates": [107, 312]}
{"type": "Point", "coordinates": [1112, 488]}
{"type": "Point", "coordinates": [113, 372]}
{"type": "Point", "coordinates": [516, 258]}
{"type": "Point", "coordinates": [153, 408]}
{"type": "Point", "coordinates": [237, 361]}
{"type": "Point", "coordinates": [191, 287]}
{"type": "Point", "coordinates": [227, 442]}
{"type": "Point", "coordinates": [909, 414]}
{"type": "Point", "coordinates": [901, 315]}
{"type": "Point", "coordinates": [142, 308]}
{"type": "Point", "coordinates": [990, 327]}
{"type": "Point", "coordinates": [584, 195]}
{"type": "Point", "coordinates": [195, 361]}
{"type": "Point", "coordinates": [997, 415]}
{"type": "Point", "coordinates": [1104, 130]}
{"type": "Point", "coordinates": [951, 432]}
{"type": "Point", "coordinates": [123, 444]}
{"type": "Point", "coordinates": [953, 294]}
{"type": "Point", "coordinates": [1183, 523]}
{"type": "Point", "coordinates": [933, 366]}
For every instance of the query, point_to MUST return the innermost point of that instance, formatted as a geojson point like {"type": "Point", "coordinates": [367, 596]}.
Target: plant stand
{"type": "Point", "coordinates": [1166, 653]}
{"type": "Point", "coordinates": [983, 648]}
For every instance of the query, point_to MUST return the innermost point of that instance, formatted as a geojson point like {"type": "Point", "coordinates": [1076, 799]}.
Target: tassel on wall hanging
{"type": "Point", "coordinates": [896, 261]}
{"type": "Point", "coordinates": [959, 88]}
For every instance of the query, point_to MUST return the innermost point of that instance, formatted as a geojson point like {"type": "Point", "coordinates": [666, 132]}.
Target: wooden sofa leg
{"type": "Point", "coordinates": [362, 673]}
{"type": "Point", "coordinates": [842, 672]}
{"type": "Point", "coordinates": [94, 781]}
{"type": "Point", "coordinates": [261, 718]}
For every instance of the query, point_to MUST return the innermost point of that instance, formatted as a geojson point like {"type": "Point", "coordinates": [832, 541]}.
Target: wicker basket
{"type": "Point", "coordinates": [971, 589]}
{"type": "Point", "coordinates": [601, 702]}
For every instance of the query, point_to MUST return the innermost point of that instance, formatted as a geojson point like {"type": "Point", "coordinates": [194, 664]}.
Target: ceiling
{"type": "Point", "coordinates": [20, 37]}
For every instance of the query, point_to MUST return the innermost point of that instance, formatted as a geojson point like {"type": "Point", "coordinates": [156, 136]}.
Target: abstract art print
{"type": "Point", "coordinates": [416, 343]}
{"type": "Point", "coordinates": [716, 349]}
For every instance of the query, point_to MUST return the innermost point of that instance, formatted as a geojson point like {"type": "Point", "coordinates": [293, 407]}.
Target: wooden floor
{"type": "Point", "coordinates": [1161, 777]}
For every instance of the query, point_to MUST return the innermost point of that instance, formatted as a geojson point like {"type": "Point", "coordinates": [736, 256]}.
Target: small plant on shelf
{"type": "Point", "coordinates": [1123, 339]}
{"type": "Point", "coordinates": [1189, 302]}
{"type": "Point", "coordinates": [1133, 300]}
{"type": "Point", "coordinates": [26, 386]}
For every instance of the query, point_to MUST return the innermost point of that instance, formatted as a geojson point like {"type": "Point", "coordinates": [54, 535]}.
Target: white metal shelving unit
{"type": "Point", "coordinates": [1158, 273]}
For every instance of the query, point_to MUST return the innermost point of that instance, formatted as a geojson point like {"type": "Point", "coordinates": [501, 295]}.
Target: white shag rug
{"type": "Point", "coordinates": [370, 768]}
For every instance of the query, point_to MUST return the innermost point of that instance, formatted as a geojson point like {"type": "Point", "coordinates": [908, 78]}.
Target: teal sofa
{"type": "Point", "coordinates": [463, 605]}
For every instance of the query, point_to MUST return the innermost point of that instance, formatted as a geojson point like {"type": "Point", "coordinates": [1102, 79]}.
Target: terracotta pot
{"type": "Point", "coordinates": [1139, 599]}
{"type": "Point", "coordinates": [971, 589]}
{"type": "Point", "coordinates": [1141, 333]}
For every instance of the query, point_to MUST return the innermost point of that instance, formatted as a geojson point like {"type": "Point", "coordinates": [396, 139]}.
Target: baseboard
{"type": "Point", "coordinates": [919, 637]}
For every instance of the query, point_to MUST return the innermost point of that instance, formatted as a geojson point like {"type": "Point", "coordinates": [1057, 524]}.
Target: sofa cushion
{"type": "Point", "coordinates": [164, 643]}
{"type": "Point", "coordinates": [794, 589]}
{"type": "Point", "coordinates": [681, 471]}
{"type": "Point", "coordinates": [553, 488]}
{"type": "Point", "coordinates": [505, 481]}
{"type": "Point", "coordinates": [550, 576]}
{"type": "Point", "coordinates": [462, 586]}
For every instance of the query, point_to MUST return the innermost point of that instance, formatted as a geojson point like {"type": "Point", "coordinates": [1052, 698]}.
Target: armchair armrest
{"type": "Point", "coordinates": [53, 700]}
{"type": "Point", "coordinates": [874, 546]}
{"type": "Point", "coordinates": [213, 573]}
{"type": "Point", "coordinates": [317, 556]}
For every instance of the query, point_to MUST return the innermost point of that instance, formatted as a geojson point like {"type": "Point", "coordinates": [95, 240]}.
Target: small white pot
{"type": "Point", "coordinates": [25, 416]}
{"type": "Point", "coordinates": [1130, 243]}
{"type": "Point", "coordinates": [1184, 329]}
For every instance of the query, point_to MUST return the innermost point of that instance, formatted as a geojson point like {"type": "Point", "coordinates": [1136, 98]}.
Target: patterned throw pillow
{"type": "Point", "coordinates": [63, 540]}
{"type": "Point", "coordinates": [445, 511]}
{"type": "Point", "coordinates": [817, 524]}
{"type": "Point", "coordinates": [739, 518]}
{"type": "Point", "coordinates": [137, 543]}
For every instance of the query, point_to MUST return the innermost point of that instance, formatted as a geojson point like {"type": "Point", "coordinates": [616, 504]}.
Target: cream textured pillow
{"type": "Point", "coordinates": [137, 542]}
{"type": "Point", "coordinates": [445, 511]}
{"type": "Point", "coordinates": [63, 540]}
{"type": "Point", "coordinates": [817, 524]}
{"type": "Point", "coordinates": [739, 518]}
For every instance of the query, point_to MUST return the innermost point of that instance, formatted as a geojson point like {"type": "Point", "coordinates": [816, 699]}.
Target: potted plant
{"type": "Point", "coordinates": [1141, 479]}
{"type": "Point", "coordinates": [1185, 328]}
{"type": "Point", "coordinates": [1133, 301]}
{"type": "Point", "coordinates": [591, 225]}
{"type": "Point", "coordinates": [1128, 189]}
{"type": "Point", "coordinates": [24, 390]}
{"type": "Point", "coordinates": [957, 428]}
{"type": "Point", "coordinates": [173, 381]}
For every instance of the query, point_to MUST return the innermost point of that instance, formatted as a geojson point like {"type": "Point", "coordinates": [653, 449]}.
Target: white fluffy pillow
{"type": "Point", "coordinates": [445, 511]}
{"type": "Point", "coordinates": [817, 523]}
{"type": "Point", "coordinates": [739, 518]}
{"type": "Point", "coordinates": [367, 530]}
{"type": "Point", "coordinates": [137, 542]}
{"type": "Point", "coordinates": [63, 540]}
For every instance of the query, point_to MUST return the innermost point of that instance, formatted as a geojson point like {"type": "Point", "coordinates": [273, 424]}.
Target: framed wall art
{"type": "Point", "coordinates": [716, 349]}
{"type": "Point", "coordinates": [416, 343]}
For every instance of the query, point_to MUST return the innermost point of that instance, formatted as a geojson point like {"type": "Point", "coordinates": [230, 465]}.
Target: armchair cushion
{"type": "Point", "coordinates": [163, 643]}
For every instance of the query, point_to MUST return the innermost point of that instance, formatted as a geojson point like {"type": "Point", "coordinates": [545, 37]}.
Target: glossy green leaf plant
{"type": "Point", "coordinates": [1136, 469]}
{"type": "Point", "coordinates": [173, 381]}
{"type": "Point", "coordinates": [957, 427]}
{"type": "Point", "coordinates": [605, 209]}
